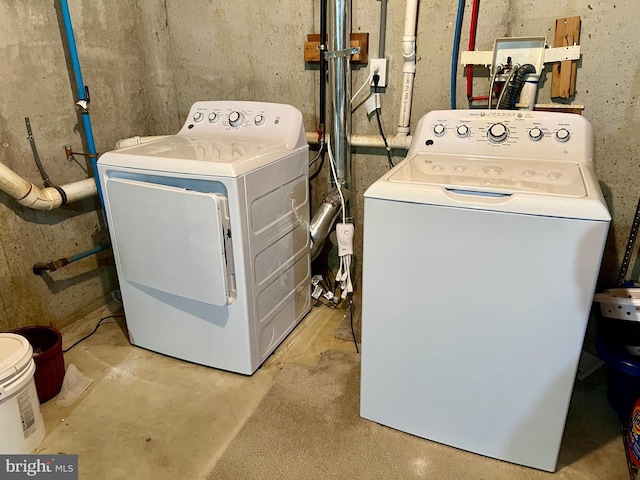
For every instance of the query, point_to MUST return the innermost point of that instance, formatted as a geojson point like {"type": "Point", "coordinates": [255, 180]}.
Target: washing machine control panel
{"type": "Point", "coordinates": [505, 133]}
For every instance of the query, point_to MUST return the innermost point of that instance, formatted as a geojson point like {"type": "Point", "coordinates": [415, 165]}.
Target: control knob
{"type": "Point", "coordinates": [535, 134]}
{"type": "Point", "coordinates": [198, 116]}
{"type": "Point", "coordinates": [236, 119]}
{"type": "Point", "coordinates": [498, 133]}
{"type": "Point", "coordinates": [439, 130]}
{"type": "Point", "coordinates": [213, 117]}
{"type": "Point", "coordinates": [259, 120]}
{"type": "Point", "coordinates": [563, 135]}
{"type": "Point", "coordinates": [462, 131]}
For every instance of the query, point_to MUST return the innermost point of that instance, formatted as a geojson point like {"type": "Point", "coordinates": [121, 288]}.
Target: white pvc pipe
{"type": "Point", "coordinates": [409, 66]}
{"type": "Point", "coordinates": [80, 190]}
{"type": "Point", "coordinates": [374, 141]}
{"type": "Point", "coordinates": [48, 198]}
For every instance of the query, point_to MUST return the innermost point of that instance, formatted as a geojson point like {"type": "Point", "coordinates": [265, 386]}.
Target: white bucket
{"type": "Point", "coordinates": [22, 424]}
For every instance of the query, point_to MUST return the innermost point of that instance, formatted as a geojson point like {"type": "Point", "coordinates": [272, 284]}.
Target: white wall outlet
{"type": "Point", "coordinates": [381, 65]}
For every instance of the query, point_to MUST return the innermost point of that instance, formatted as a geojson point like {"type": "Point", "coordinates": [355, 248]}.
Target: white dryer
{"type": "Point", "coordinates": [481, 254]}
{"type": "Point", "coordinates": [210, 233]}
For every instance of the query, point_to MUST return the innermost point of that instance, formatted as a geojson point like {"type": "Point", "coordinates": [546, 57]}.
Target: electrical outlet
{"type": "Point", "coordinates": [381, 65]}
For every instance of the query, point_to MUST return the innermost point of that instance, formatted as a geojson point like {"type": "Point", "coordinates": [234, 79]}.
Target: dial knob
{"type": "Point", "coordinates": [462, 131]}
{"type": "Point", "coordinates": [236, 119]}
{"type": "Point", "coordinates": [439, 130]}
{"type": "Point", "coordinates": [535, 134]}
{"type": "Point", "coordinates": [498, 133]}
{"type": "Point", "coordinates": [198, 116]}
{"type": "Point", "coordinates": [259, 120]}
{"type": "Point", "coordinates": [213, 117]}
{"type": "Point", "coordinates": [563, 135]}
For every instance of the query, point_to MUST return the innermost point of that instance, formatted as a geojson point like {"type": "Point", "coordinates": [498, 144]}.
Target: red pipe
{"type": "Point", "coordinates": [472, 46]}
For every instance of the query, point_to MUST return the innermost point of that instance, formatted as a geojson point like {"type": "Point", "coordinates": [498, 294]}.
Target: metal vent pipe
{"type": "Point", "coordinates": [340, 86]}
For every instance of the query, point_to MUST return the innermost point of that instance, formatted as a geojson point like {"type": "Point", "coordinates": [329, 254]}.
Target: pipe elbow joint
{"type": "Point", "coordinates": [41, 199]}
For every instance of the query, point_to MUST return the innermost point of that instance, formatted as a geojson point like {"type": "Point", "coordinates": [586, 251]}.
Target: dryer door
{"type": "Point", "coordinates": [171, 239]}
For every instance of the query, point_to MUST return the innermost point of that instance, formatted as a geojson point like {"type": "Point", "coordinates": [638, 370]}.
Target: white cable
{"type": "Point", "coordinates": [335, 179]}
{"type": "Point", "coordinates": [366, 82]}
{"type": "Point", "coordinates": [317, 156]}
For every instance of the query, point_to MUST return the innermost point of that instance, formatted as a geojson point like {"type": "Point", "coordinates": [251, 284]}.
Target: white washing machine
{"type": "Point", "coordinates": [481, 254]}
{"type": "Point", "coordinates": [210, 233]}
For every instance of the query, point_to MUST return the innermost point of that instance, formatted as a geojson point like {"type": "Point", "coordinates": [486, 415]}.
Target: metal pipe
{"type": "Point", "coordinates": [53, 265]}
{"type": "Point", "coordinates": [83, 94]}
{"type": "Point", "coordinates": [45, 177]}
{"type": "Point", "coordinates": [323, 70]}
{"type": "Point", "coordinates": [340, 82]}
{"type": "Point", "coordinates": [383, 28]}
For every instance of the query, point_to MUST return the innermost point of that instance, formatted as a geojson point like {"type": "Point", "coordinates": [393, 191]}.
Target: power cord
{"type": "Point", "coordinates": [94, 331]}
{"type": "Point", "coordinates": [376, 79]}
{"type": "Point", "coordinates": [353, 332]}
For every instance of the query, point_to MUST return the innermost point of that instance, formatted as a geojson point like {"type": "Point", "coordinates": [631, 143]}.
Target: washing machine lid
{"type": "Point", "coordinates": [493, 175]}
{"type": "Point", "coordinates": [550, 188]}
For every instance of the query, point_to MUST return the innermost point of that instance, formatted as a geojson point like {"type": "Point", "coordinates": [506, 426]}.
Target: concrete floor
{"type": "Point", "coordinates": [150, 416]}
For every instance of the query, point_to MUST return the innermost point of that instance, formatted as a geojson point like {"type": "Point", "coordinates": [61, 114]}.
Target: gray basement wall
{"type": "Point", "coordinates": [146, 62]}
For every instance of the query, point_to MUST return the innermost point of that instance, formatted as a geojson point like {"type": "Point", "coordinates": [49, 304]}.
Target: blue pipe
{"type": "Point", "coordinates": [83, 94]}
{"type": "Point", "coordinates": [454, 53]}
{"type": "Point", "coordinates": [88, 253]}
{"type": "Point", "coordinates": [53, 265]}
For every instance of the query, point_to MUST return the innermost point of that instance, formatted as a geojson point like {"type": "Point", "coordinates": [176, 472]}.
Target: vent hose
{"type": "Point", "coordinates": [324, 218]}
{"type": "Point", "coordinates": [508, 101]}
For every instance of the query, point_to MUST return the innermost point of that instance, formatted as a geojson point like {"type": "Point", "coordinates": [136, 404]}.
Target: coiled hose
{"type": "Point", "coordinates": [508, 100]}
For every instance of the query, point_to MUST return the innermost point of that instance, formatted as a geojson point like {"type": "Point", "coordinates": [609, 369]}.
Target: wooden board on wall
{"type": "Point", "coordinates": [563, 76]}
{"type": "Point", "coordinates": [358, 39]}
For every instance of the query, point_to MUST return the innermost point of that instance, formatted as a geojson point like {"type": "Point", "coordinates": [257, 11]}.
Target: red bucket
{"type": "Point", "coordinates": [48, 357]}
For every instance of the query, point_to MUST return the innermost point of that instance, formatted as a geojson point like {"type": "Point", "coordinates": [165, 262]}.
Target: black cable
{"type": "Point", "coordinates": [94, 331]}
{"type": "Point", "coordinates": [353, 332]}
{"type": "Point", "coordinates": [376, 79]}
{"type": "Point", "coordinates": [386, 145]}
{"type": "Point", "coordinates": [514, 87]}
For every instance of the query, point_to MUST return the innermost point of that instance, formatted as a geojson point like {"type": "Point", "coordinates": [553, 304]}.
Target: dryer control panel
{"type": "Point", "coordinates": [505, 133]}
{"type": "Point", "coordinates": [279, 123]}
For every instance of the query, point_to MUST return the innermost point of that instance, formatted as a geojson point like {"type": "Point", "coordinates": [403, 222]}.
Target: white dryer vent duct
{"type": "Point", "coordinates": [48, 198]}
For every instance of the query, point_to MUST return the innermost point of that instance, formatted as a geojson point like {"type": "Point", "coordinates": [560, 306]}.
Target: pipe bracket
{"type": "Point", "coordinates": [347, 52]}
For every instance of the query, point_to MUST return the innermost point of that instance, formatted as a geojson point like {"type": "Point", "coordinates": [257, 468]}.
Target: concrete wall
{"type": "Point", "coordinates": [147, 62]}
{"type": "Point", "coordinates": [35, 83]}
{"type": "Point", "coordinates": [227, 50]}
